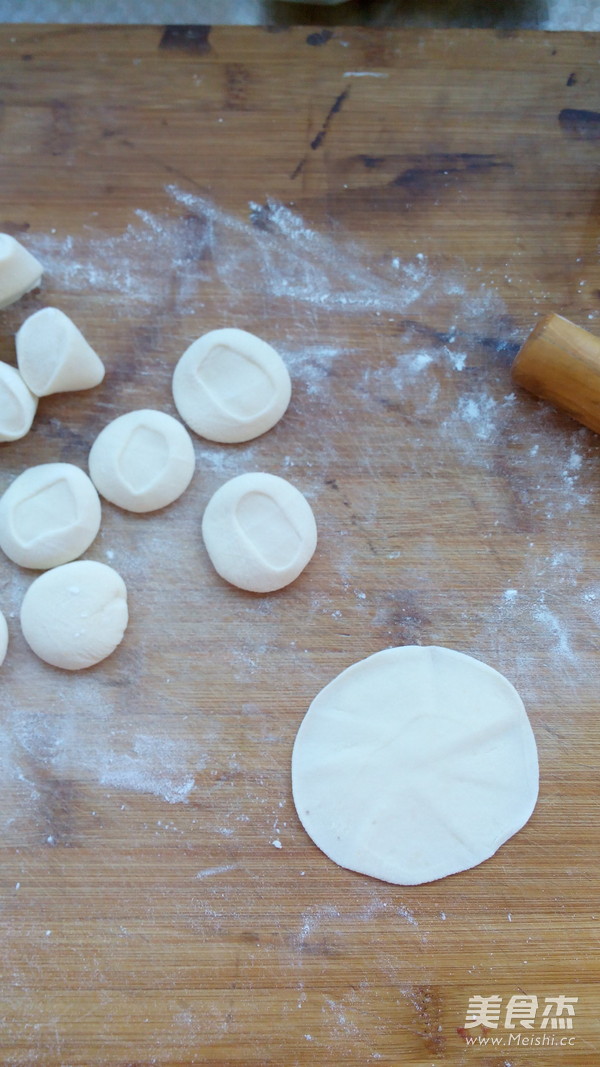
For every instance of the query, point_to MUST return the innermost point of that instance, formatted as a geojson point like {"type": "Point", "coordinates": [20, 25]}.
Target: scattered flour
{"type": "Point", "coordinates": [209, 872]}
{"type": "Point", "coordinates": [399, 338]}
{"type": "Point", "coordinates": [156, 765]}
{"type": "Point", "coordinates": [407, 914]}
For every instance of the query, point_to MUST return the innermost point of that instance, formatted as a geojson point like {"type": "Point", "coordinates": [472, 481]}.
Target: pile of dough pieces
{"type": "Point", "coordinates": [229, 386]}
{"type": "Point", "coordinates": [413, 764]}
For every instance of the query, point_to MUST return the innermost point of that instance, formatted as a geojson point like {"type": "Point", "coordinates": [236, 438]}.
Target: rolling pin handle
{"type": "Point", "coordinates": [560, 363]}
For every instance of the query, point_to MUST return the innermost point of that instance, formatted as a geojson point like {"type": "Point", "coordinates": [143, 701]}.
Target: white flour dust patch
{"type": "Point", "coordinates": [154, 765]}
{"type": "Point", "coordinates": [167, 259]}
{"type": "Point", "coordinates": [368, 338]}
{"type": "Point", "coordinates": [540, 608]}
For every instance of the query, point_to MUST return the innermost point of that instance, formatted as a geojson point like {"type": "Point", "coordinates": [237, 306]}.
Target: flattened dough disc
{"type": "Point", "coordinates": [413, 764]}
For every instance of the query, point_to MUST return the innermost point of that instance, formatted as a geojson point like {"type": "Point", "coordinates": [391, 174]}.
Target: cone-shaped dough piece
{"type": "Point", "coordinates": [18, 405]}
{"type": "Point", "coordinates": [19, 270]}
{"type": "Point", "coordinates": [54, 356]}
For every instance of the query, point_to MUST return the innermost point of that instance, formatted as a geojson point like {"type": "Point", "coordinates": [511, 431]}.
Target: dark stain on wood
{"type": "Point", "coordinates": [580, 124]}
{"type": "Point", "coordinates": [502, 346]}
{"type": "Point", "coordinates": [196, 238]}
{"type": "Point", "coordinates": [321, 947]}
{"type": "Point", "coordinates": [249, 937]}
{"type": "Point", "coordinates": [335, 108]}
{"type": "Point", "coordinates": [317, 141]}
{"type": "Point", "coordinates": [57, 804]}
{"type": "Point", "coordinates": [61, 134]}
{"type": "Point", "coordinates": [403, 618]}
{"type": "Point", "coordinates": [13, 228]}
{"type": "Point", "coordinates": [434, 169]}
{"type": "Point", "coordinates": [372, 162]}
{"type": "Point", "coordinates": [146, 339]}
{"type": "Point", "coordinates": [422, 329]}
{"type": "Point", "coordinates": [261, 217]}
{"type": "Point", "coordinates": [320, 38]}
{"type": "Point", "coordinates": [298, 168]}
{"type": "Point", "coordinates": [237, 82]}
{"type": "Point", "coordinates": [572, 79]}
{"type": "Point", "coordinates": [497, 345]}
{"type": "Point", "coordinates": [187, 39]}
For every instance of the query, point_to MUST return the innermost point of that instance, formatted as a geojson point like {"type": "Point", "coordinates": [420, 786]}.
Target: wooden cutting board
{"type": "Point", "coordinates": [393, 211]}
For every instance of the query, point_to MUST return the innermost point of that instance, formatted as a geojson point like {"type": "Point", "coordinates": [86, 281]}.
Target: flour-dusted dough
{"type": "Point", "coordinates": [18, 405]}
{"type": "Point", "coordinates": [3, 638]}
{"type": "Point", "coordinates": [54, 356]}
{"type": "Point", "coordinates": [49, 515]}
{"type": "Point", "coordinates": [230, 386]}
{"type": "Point", "coordinates": [413, 764]}
{"type": "Point", "coordinates": [75, 615]}
{"type": "Point", "coordinates": [259, 532]}
{"type": "Point", "coordinates": [142, 461]}
{"type": "Point", "coordinates": [19, 270]}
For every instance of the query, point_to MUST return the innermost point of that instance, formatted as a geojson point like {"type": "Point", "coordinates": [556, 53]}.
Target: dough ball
{"type": "Point", "coordinates": [54, 356]}
{"type": "Point", "coordinates": [230, 386]}
{"type": "Point", "coordinates": [49, 515]}
{"type": "Point", "coordinates": [259, 532]}
{"type": "Point", "coordinates": [75, 615]}
{"type": "Point", "coordinates": [18, 405]}
{"type": "Point", "coordinates": [19, 270]}
{"type": "Point", "coordinates": [142, 461]}
{"type": "Point", "coordinates": [413, 764]}
{"type": "Point", "coordinates": [3, 638]}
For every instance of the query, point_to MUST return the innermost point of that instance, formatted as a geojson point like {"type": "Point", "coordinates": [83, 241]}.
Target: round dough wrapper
{"type": "Point", "coordinates": [49, 515]}
{"type": "Point", "coordinates": [142, 461]}
{"type": "Point", "coordinates": [259, 532]}
{"type": "Point", "coordinates": [54, 356]}
{"type": "Point", "coordinates": [230, 386]}
{"type": "Point", "coordinates": [74, 616]}
{"type": "Point", "coordinates": [18, 405]}
{"type": "Point", "coordinates": [3, 638]}
{"type": "Point", "coordinates": [19, 270]}
{"type": "Point", "coordinates": [413, 764]}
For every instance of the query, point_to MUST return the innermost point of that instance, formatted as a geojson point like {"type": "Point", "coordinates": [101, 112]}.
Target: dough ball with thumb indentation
{"type": "Point", "coordinates": [259, 531]}
{"type": "Point", "coordinates": [49, 515]}
{"type": "Point", "coordinates": [231, 386]}
{"type": "Point", "coordinates": [142, 461]}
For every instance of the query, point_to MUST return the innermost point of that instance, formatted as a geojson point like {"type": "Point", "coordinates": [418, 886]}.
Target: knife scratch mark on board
{"type": "Point", "coordinates": [335, 108]}
{"type": "Point", "coordinates": [319, 138]}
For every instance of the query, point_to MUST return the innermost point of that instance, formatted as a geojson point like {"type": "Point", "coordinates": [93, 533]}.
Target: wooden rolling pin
{"type": "Point", "coordinates": [560, 362]}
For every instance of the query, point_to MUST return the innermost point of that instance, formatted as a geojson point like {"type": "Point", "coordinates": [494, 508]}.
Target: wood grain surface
{"type": "Point", "coordinates": [393, 211]}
